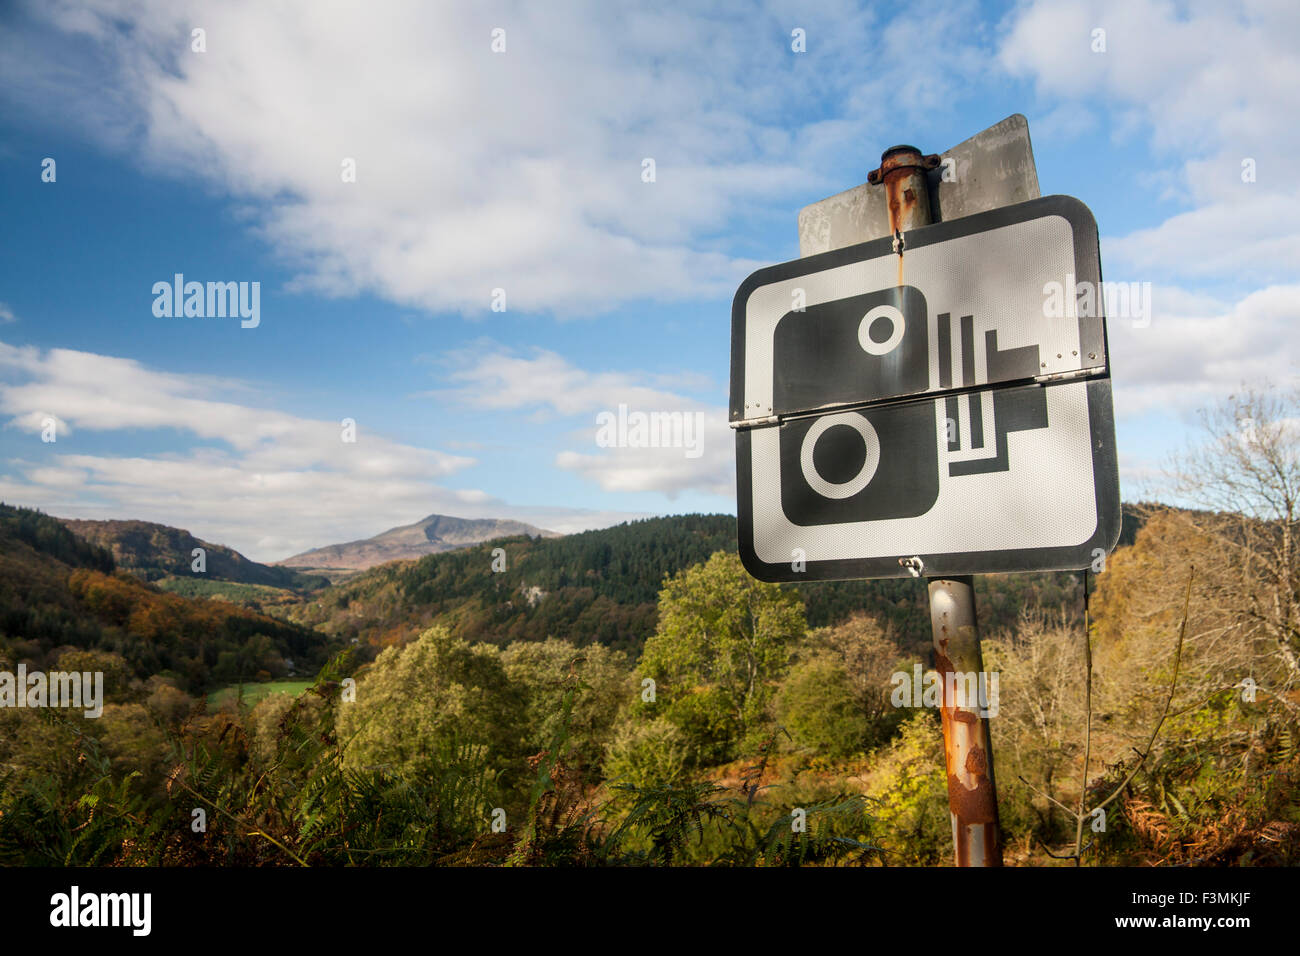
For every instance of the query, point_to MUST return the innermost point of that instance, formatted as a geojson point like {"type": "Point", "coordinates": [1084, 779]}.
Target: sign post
{"type": "Point", "coordinates": [954, 626]}
{"type": "Point", "coordinates": [931, 399]}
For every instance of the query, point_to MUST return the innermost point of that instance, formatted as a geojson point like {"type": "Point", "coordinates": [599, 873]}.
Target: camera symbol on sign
{"type": "Point", "coordinates": [860, 348]}
{"type": "Point", "coordinates": [867, 465]}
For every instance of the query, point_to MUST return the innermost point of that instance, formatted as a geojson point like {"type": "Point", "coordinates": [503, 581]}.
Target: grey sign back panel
{"type": "Point", "coordinates": [991, 169]}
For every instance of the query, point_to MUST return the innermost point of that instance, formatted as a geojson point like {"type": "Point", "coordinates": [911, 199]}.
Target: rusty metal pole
{"type": "Point", "coordinates": [968, 754]}
{"type": "Point", "coordinates": [967, 746]}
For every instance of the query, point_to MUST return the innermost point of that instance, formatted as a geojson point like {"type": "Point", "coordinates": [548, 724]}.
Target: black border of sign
{"type": "Point", "coordinates": [1101, 418]}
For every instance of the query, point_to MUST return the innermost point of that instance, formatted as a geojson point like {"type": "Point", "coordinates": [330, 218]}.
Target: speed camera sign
{"type": "Point", "coordinates": [943, 408]}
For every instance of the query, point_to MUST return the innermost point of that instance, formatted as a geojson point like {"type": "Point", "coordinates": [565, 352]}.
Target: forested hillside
{"type": "Point", "coordinates": [616, 721]}
{"type": "Point", "coordinates": [59, 593]}
{"type": "Point", "coordinates": [601, 586]}
{"type": "Point", "coordinates": [155, 551]}
{"type": "Point", "coordinates": [596, 587]}
{"type": "Point", "coordinates": [416, 756]}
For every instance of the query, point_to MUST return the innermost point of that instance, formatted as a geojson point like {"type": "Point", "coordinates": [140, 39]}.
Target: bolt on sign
{"type": "Point", "coordinates": [936, 403]}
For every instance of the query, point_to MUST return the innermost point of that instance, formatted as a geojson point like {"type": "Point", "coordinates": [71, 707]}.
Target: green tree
{"type": "Point", "coordinates": [867, 656]}
{"type": "Point", "coordinates": [646, 754]}
{"type": "Point", "coordinates": [539, 670]}
{"type": "Point", "coordinates": [722, 642]}
{"type": "Point", "coordinates": [435, 695]}
{"type": "Point", "coordinates": [117, 675]}
{"type": "Point", "coordinates": [909, 790]}
{"type": "Point", "coordinates": [816, 705]}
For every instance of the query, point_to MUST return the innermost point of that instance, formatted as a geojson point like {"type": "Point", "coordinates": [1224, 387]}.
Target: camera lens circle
{"type": "Point", "coordinates": [898, 326]}
{"type": "Point", "coordinates": [842, 489]}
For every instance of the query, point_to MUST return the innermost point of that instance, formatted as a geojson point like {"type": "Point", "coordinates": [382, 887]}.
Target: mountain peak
{"type": "Point", "coordinates": [431, 534]}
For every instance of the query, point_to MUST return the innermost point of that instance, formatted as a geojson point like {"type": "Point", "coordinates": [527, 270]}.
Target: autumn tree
{"type": "Point", "coordinates": [1245, 476]}
{"type": "Point", "coordinates": [1194, 652]}
{"type": "Point", "coordinates": [431, 703]}
{"type": "Point", "coordinates": [543, 671]}
{"type": "Point", "coordinates": [722, 642]}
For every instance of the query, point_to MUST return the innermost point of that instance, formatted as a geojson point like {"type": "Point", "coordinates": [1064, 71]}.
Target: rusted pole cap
{"type": "Point", "coordinates": [907, 196]}
{"type": "Point", "coordinates": [901, 158]}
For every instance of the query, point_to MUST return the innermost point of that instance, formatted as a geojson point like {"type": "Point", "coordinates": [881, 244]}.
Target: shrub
{"type": "Point", "coordinates": [647, 754]}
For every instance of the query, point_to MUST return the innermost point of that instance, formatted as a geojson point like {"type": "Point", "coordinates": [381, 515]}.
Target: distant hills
{"type": "Point", "coordinates": [61, 585]}
{"type": "Point", "coordinates": [431, 535]}
{"type": "Point", "coordinates": [60, 592]}
{"type": "Point", "coordinates": [602, 586]}
{"type": "Point", "coordinates": [155, 551]}
{"type": "Point", "coordinates": [597, 586]}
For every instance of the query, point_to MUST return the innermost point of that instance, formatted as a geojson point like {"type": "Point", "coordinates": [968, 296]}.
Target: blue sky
{"type": "Point", "coordinates": [522, 170]}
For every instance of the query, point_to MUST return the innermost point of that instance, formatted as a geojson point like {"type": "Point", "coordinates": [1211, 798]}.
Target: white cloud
{"type": "Point", "coordinates": [478, 170]}
{"type": "Point", "coordinates": [267, 483]}
{"type": "Point", "coordinates": [1256, 237]}
{"type": "Point", "coordinates": [104, 393]}
{"type": "Point", "coordinates": [544, 380]}
{"type": "Point", "coordinates": [1210, 85]}
{"type": "Point", "coordinates": [522, 171]}
{"type": "Point", "coordinates": [1196, 72]}
{"type": "Point", "coordinates": [1196, 350]}
{"type": "Point", "coordinates": [475, 170]}
{"type": "Point", "coordinates": [7, 314]}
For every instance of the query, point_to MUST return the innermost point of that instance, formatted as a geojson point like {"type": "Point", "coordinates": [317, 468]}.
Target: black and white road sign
{"type": "Point", "coordinates": [944, 411]}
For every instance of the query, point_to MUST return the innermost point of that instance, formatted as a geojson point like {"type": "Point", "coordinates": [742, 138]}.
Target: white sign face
{"type": "Point", "coordinates": [944, 411]}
